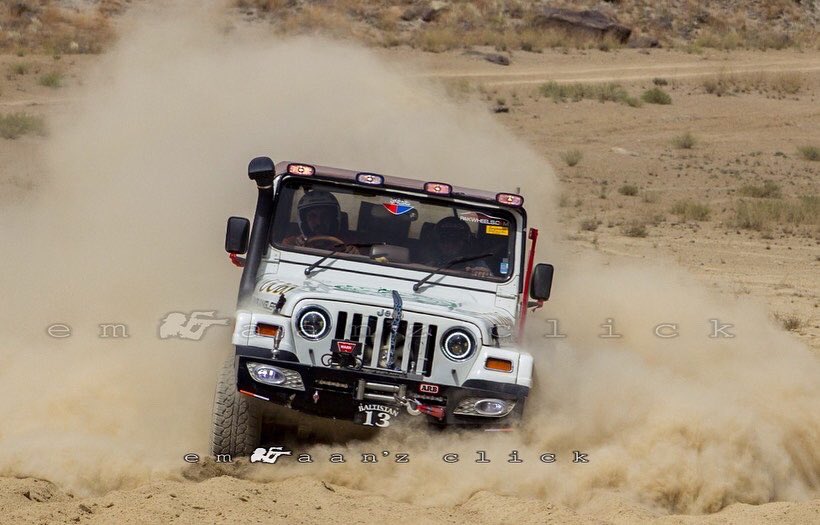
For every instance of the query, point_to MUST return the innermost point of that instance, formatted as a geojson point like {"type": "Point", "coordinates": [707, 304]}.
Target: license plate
{"type": "Point", "coordinates": [375, 415]}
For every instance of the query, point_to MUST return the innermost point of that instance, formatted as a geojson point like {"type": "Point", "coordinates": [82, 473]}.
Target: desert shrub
{"type": "Point", "coordinates": [590, 224]}
{"type": "Point", "coordinates": [781, 83]}
{"type": "Point", "coordinates": [635, 228]}
{"type": "Point", "coordinates": [789, 321]}
{"type": "Point", "coordinates": [628, 189]}
{"type": "Point", "coordinates": [809, 152]}
{"type": "Point", "coordinates": [52, 80]}
{"type": "Point", "coordinates": [685, 141]}
{"type": "Point", "coordinates": [769, 190]}
{"type": "Point", "coordinates": [660, 81]}
{"type": "Point", "coordinates": [689, 210]}
{"type": "Point", "coordinates": [605, 92]}
{"type": "Point", "coordinates": [572, 157]}
{"type": "Point", "coordinates": [656, 95]}
{"type": "Point", "coordinates": [20, 68]}
{"type": "Point", "coordinates": [760, 214]}
{"type": "Point", "coordinates": [15, 125]}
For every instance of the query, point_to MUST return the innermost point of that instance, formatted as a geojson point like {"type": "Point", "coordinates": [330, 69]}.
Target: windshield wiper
{"type": "Point", "coordinates": [337, 249]}
{"type": "Point", "coordinates": [451, 262]}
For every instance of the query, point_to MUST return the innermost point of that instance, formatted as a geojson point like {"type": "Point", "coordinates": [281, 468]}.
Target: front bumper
{"type": "Point", "coordinates": [344, 393]}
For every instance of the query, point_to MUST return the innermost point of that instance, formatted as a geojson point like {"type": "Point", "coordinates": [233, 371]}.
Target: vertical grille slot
{"type": "Point", "coordinates": [341, 325]}
{"type": "Point", "coordinates": [413, 350]}
{"type": "Point", "coordinates": [370, 330]}
{"type": "Point", "coordinates": [426, 366]}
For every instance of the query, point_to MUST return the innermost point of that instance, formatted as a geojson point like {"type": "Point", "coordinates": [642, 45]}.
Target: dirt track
{"type": "Point", "coordinates": [779, 273]}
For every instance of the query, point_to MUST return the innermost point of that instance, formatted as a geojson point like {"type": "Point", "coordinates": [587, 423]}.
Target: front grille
{"type": "Point", "coordinates": [415, 341]}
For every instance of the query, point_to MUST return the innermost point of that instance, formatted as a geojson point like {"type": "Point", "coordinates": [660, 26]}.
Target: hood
{"type": "Point", "coordinates": [461, 305]}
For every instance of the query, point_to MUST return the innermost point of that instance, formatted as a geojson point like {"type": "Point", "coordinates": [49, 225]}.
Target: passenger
{"type": "Point", "coordinates": [452, 240]}
{"type": "Point", "coordinates": [320, 220]}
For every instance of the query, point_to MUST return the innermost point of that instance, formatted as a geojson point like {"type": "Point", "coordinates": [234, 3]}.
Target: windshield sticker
{"type": "Point", "coordinates": [398, 206]}
{"type": "Point", "coordinates": [497, 230]}
{"type": "Point", "coordinates": [483, 218]}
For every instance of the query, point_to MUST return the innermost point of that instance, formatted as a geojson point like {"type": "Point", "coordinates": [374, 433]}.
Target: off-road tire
{"type": "Point", "coordinates": [237, 422]}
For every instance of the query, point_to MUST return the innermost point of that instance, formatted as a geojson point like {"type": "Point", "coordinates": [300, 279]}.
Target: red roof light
{"type": "Point", "coordinates": [510, 199]}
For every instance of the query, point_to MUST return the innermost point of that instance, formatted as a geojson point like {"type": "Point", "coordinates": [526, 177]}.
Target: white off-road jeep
{"type": "Point", "coordinates": [372, 298]}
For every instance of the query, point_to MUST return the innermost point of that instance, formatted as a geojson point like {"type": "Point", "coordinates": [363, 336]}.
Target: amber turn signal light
{"type": "Point", "coordinates": [267, 330]}
{"type": "Point", "coordinates": [502, 365]}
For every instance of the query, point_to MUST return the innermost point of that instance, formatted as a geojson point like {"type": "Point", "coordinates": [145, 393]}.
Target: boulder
{"type": "Point", "coordinates": [495, 58]}
{"type": "Point", "coordinates": [589, 22]}
{"type": "Point", "coordinates": [643, 41]}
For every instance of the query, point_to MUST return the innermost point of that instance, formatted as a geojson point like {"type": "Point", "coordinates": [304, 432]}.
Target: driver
{"type": "Point", "coordinates": [320, 223]}
{"type": "Point", "coordinates": [452, 240]}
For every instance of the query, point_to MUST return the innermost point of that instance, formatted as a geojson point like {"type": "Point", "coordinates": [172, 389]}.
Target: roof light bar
{"type": "Point", "coordinates": [510, 199]}
{"type": "Point", "coordinates": [370, 178]}
{"type": "Point", "coordinates": [439, 188]}
{"type": "Point", "coordinates": [301, 169]}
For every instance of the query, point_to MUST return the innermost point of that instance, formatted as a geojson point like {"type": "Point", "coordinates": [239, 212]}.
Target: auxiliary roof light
{"type": "Point", "coordinates": [301, 169]}
{"type": "Point", "coordinates": [439, 188]}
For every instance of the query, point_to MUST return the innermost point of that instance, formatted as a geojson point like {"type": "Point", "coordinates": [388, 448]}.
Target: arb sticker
{"type": "Point", "coordinates": [397, 206]}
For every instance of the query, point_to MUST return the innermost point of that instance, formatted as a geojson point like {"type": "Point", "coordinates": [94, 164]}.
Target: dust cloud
{"type": "Point", "coordinates": [127, 225]}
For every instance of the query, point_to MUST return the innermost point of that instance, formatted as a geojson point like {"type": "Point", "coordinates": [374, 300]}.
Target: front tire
{"type": "Point", "coordinates": [237, 422]}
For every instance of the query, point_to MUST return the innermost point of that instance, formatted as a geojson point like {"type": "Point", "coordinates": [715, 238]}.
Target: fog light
{"type": "Point", "coordinates": [476, 406]}
{"type": "Point", "coordinates": [276, 376]}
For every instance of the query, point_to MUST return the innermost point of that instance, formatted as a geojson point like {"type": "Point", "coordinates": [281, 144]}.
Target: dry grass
{"type": "Point", "coordinates": [809, 152]}
{"type": "Point", "coordinates": [572, 157]}
{"type": "Point", "coordinates": [590, 224]}
{"type": "Point", "coordinates": [29, 26]}
{"type": "Point", "coordinates": [656, 95]}
{"type": "Point", "coordinates": [790, 322]}
{"type": "Point", "coordinates": [762, 214]}
{"type": "Point", "coordinates": [786, 83]}
{"type": "Point", "coordinates": [604, 92]}
{"type": "Point", "coordinates": [689, 210]}
{"type": "Point", "coordinates": [512, 24]}
{"type": "Point", "coordinates": [53, 80]}
{"type": "Point", "coordinates": [769, 190]}
{"type": "Point", "coordinates": [15, 125]}
{"type": "Point", "coordinates": [685, 141]}
{"type": "Point", "coordinates": [635, 228]}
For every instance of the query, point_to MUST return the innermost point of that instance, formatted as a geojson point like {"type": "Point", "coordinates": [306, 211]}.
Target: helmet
{"type": "Point", "coordinates": [452, 228]}
{"type": "Point", "coordinates": [318, 199]}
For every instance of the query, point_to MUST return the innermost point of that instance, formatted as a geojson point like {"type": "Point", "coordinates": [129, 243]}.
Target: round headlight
{"type": "Point", "coordinates": [313, 324]}
{"type": "Point", "coordinates": [458, 345]}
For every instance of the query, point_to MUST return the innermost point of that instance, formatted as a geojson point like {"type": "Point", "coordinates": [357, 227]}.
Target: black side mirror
{"type": "Point", "coordinates": [236, 237]}
{"type": "Point", "coordinates": [541, 283]}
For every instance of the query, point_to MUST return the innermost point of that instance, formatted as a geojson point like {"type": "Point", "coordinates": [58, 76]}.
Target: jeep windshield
{"type": "Point", "coordinates": [379, 226]}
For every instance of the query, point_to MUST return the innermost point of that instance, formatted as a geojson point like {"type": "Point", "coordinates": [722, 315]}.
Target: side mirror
{"type": "Point", "coordinates": [236, 237]}
{"type": "Point", "coordinates": [541, 283]}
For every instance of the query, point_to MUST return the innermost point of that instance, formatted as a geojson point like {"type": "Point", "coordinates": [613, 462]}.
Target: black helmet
{"type": "Point", "coordinates": [318, 199]}
{"type": "Point", "coordinates": [452, 228]}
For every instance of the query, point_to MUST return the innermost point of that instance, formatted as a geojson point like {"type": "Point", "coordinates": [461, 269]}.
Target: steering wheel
{"type": "Point", "coordinates": [324, 240]}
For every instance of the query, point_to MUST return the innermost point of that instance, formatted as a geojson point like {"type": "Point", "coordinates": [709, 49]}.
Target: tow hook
{"type": "Point", "coordinates": [416, 408]}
